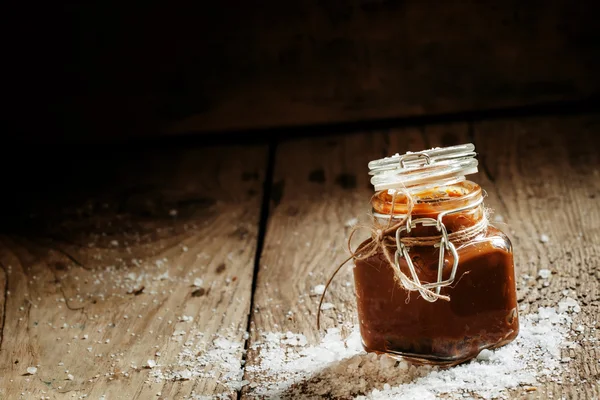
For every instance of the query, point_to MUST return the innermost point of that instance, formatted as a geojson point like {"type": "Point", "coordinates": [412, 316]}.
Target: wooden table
{"type": "Point", "coordinates": [110, 260]}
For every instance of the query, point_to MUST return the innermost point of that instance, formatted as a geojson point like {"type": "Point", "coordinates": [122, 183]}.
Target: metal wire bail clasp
{"type": "Point", "coordinates": [414, 156]}
{"type": "Point", "coordinates": [445, 244]}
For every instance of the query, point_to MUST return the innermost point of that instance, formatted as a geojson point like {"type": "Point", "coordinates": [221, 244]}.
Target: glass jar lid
{"type": "Point", "coordinates": [424, 169]}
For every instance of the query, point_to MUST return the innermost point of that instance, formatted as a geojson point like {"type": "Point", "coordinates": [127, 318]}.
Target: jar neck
{"type": "Point", "coordinates": [431, 202]}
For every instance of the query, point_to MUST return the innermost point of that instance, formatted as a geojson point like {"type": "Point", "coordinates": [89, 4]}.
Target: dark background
{"type": "Point", "coordinates": [107, 71]}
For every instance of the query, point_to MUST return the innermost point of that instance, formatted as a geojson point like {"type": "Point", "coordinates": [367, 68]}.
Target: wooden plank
{"type": "Point", "coordinates": [541, 178]}
{"type": "Point", "coordinates": [320, 185]}
{"type": "Point", "coordinates": [232, 65]}
{"type": "Point", "coordinates": [544, 173]}
{"type": "Point", "coordinates": [528, 167]}
{"type": "Point", "coordinates": [99, 277]}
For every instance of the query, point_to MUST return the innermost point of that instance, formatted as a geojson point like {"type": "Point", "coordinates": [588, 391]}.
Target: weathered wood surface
{"type": "Point", "coordinates": [95, 281]}
{"type": "Point", "coordinates": [541, 176]}
{"type": "Point", "coordinates": [82, 259]}
{"type": "Point", "coordinates": [319, 188]}
{"type": "Point", "coordinates": [239, 65]}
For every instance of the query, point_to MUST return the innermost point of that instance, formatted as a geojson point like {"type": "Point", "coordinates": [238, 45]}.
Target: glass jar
{"type": "Point", "coordinates": [449, 291]}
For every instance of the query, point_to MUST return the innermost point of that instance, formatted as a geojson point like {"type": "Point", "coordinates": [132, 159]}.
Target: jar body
{"type": "Point", "coordinates": [481, 313]}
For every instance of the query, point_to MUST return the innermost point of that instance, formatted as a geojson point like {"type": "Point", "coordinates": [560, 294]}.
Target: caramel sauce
{"type": "Point", "coordinates": [481, 313]}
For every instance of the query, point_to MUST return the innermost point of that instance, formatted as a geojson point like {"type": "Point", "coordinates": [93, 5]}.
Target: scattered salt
{"type": "Point", "coordinates": [339, 367]}
{"type": "Point", "coordinates": [70, 377]}
{"type": "Point", "coordinates": [319, 289]}
{"type": "Point", "coordinates": [31, 370]}
{"type": "Point", "coordinates": [544, 238]}
{"type": "Point", "coordinates": [151, 363]}
{"type": "Point", "coordinates": [220, 359]}
{"type": "Point", "coordinates": [186, 318]}
{"type": "Point", "coordinates": [327, 306]}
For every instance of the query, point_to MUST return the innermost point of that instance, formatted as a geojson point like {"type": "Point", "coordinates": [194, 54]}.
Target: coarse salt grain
{"type": "Point", "coordinates": [151, 363]}
{"type": "Point", "coordinates": [185, 374]}
{"type": "Point", "coordinates": [319, 289]}
{"type": "Point", "coordinates": [31, 370]}
{"type": "Point", "coordinates": [544, 273]}
{"type": "Point", "coordinates": [327, 306]}
{"type": "Point", "coordinates": [544, 238]}
{"type": "Point", "coordinates": [198, 282]}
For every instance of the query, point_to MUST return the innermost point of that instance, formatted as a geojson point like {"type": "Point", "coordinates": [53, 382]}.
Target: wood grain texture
{"type": "Point", "coordinates": [542, 178]}
{"type": "Point", "coordinates": [130, 70]}
{"type": "Point", "coordinates": [100, 271]}
{"type": "Point", "coordinates": [541, 175]}
{"type": "Point", "coordinates": [546, 175]}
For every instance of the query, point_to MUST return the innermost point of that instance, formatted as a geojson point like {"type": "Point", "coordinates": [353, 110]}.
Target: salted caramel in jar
{"type": "Point", "coordinates": [436, 282]}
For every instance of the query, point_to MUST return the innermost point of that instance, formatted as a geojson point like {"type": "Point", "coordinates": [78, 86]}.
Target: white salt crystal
{"type": "Point", "coordinates": [31, 370]}
{"type": "Point", "coordinates": [568, 304]}
{"type": "Point", "coordinates": [544, 273]}
{"type": "Point", "coordinates": [185, 374]}
{"type": "Point", "coordinates": [484, 355]}
{"type": "Point", "coordinates": [114, 243]}
{"type": "Point", "coordinates": [319, 289]}
{"type": "Point", "coordinates": [70, 377]}
{"type": "Point", "coordinates": [186, 318]}
{"type": "Point", "coordinates": [151, 364]}
{"type": "Point", "coordinates": [498, 218]}
{"type": "Point", "coordinates": [198, 282]}
{"type": "Point", "coordinates": [173, 213]}
{"type": "Point", "coordinates": [544, 238]}
{"type": "Point", "coordinates": [327, 306]}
